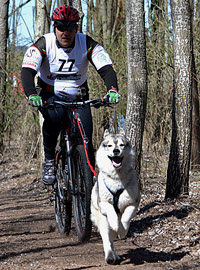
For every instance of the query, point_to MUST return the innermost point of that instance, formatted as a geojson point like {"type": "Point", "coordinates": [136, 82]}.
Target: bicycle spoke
{"type": "Point", "coordinates": [83, 181]}
{"type": "Point", "coordinates": [63, 206]}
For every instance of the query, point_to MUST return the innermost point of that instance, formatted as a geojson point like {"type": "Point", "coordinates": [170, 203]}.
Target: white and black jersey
{"type": "Point", "coordinates": [63, 70]}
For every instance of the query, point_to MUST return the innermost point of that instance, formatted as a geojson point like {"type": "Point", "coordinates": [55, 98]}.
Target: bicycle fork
{"type": "Point", "coordinates": [68, 166]}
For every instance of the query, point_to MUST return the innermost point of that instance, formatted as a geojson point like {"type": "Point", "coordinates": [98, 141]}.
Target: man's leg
{"type": "Point", "coordinates": [50, 135]}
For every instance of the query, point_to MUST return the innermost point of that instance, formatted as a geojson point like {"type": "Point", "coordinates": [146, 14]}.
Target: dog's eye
{"type": "Point", "coordinates": [109, 145]}
{"type": "Point", "coordinates": [122, 145]}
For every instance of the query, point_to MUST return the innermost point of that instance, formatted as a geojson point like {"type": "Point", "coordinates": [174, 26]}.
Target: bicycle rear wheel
{"type": "Point", "coordinates": [63, 200]}
{"type": "Point", "coordinates": [81, 200]}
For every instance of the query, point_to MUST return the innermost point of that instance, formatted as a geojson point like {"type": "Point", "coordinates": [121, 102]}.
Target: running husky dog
{"type": "Point", "coordinates": [115, 195]}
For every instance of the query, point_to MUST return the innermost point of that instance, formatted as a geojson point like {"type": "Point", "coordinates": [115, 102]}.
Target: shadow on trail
{"type": "Point", "coordinates": [10, 233]}
{"type": "Point", "coordinates": [21, 207]}
{"type": "Point", "coordinates": [139, 226]}
{"type": "Point", "coordinates": [36, 250]}
{"type": "Point", "coordinates": [142, 255]}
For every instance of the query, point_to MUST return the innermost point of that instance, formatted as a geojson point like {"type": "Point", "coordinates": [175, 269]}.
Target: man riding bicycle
{"type": "Point", "coordinates": [61, 60]}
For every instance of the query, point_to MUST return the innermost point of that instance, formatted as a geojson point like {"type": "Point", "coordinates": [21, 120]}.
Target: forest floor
{"type": "Point", "coordinates": [163, 234]}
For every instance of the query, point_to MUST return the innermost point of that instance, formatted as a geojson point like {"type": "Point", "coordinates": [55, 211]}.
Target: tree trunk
{"type": "Point", "coordinates": [137, 76]}
{"type": "Point", "coordinates": [3, 50]}
{"type": "Point", "coordinates": [195, 153]}
{"type": "Point", "coordinates": [179, 160]}
{"type": "Point", "coordinates": [103, 12]}
{"type": "Point", "coordinates": [39, 31]}
{"type": "Point", "coordinates": [158, 36]}
{"type": "Point", "coordinates": [97, 21]}
{"type": "Point", "coordinates": [48, 17]}
{"type": "Point", "coordinates": [40, 18]}
{"type": "Point", "coordinates": [90, 11]}
{"type": "Point", "coordinates": [78, 6]}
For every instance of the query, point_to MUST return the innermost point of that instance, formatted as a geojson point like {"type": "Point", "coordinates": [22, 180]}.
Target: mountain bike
{"type": "Point", "coordinates": [74, 173]}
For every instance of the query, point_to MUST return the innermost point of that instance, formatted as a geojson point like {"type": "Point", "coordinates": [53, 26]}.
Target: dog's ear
{"type": "Point", "coordinates": [106, 133]}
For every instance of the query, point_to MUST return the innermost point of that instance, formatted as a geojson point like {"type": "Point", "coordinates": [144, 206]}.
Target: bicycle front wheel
{"type": "Point", "coordinates": [63, 201]}
{"type": "Point", "coordinates": [82, 177]}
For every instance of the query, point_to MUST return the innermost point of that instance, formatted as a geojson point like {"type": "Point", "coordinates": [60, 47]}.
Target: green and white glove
{"type": "Point", "coordinates": [112, 96]}
{"type": "Point", "coordinates": [35, 100]}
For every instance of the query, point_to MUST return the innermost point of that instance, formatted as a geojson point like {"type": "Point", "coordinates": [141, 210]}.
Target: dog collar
{"type": "Point", "coordinates": [115, 196]}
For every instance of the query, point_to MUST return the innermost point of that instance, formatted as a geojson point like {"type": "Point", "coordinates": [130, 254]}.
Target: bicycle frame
{"type": "Point", "coordinates": [69, 144]}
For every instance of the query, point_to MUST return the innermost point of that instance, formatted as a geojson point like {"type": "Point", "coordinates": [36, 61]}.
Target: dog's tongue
{"type": "Point", "coordinates": [116, 164]}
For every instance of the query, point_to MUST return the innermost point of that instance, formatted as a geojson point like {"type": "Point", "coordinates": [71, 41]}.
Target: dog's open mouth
{"type": "Point", "coordinates": [116, 161]}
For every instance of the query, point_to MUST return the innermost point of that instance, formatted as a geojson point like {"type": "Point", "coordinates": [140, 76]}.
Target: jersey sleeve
{"type": "Point", "coordinates": [100, 57]}
{"type": "Point", "coordinates": [31, 64]}
{"type": "Point", "coordinates": [34, 55]}
{"type": "Point", "coordinates": [97, 55]}
{"type": "Point", "coordinates": [102, 62]}
{"type": "Point", "coordinates": [109, 76]}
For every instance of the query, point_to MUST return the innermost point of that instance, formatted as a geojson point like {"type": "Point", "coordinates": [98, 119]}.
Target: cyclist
{"type": "Point", "coordinates": [61, 60]}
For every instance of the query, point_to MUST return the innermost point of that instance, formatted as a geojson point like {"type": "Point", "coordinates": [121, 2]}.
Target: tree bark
{"type": "Point", "coordinates": [3, 50]}
{"type": "Point", "coordinates": [90, 11]}
{"type": "Point", "coordinates": [179, 160]}
{"type": "Point", "coordinates": [39, 31]}
{"type": "Point", "coordinates": [77, 4]}
{"type": "Point", "coordinates": [195, 152]}
{"type": "Point", "coordinates": [137, 76]}
{"type": "Point", "coordinates": [40, 18]}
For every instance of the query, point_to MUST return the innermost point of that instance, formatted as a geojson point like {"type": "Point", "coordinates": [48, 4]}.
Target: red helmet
{"type": "Point", "coordinates": [65, 13]}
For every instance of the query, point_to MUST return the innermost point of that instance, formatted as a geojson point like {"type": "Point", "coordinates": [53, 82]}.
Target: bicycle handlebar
{"type": "Point", "coordinates": [93, 102]}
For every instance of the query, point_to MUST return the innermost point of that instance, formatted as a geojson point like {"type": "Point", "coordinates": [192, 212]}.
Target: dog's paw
{"type": "Point", "coordinates": [112, 258]}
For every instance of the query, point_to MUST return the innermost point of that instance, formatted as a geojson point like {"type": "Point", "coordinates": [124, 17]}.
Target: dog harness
{"type": "Point", "coordinates": [115, 197]}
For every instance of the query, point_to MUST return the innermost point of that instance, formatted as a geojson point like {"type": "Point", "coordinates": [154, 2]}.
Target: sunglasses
{"type": "Point", "coordinates": [62, 27]}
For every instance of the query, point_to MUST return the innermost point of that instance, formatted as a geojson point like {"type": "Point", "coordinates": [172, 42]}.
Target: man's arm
{"type": "Point", "coordinates": [27, 75]}
{"type": "Point", "coordinates": [109, 76]}
{"type": "Point", "coordinates": [31, 64]}
{"type": "Point", "coordinates": [103, 64]}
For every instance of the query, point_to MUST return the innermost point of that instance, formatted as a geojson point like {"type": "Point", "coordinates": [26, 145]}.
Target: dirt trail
{"type": "Point", "coordinates": [163, 235]}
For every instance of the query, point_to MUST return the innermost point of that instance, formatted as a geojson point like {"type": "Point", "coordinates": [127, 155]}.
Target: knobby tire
{"type": "Point", "coordinates": [62, 206]}
{"type": "Point", "coordinates": [81, 201]}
